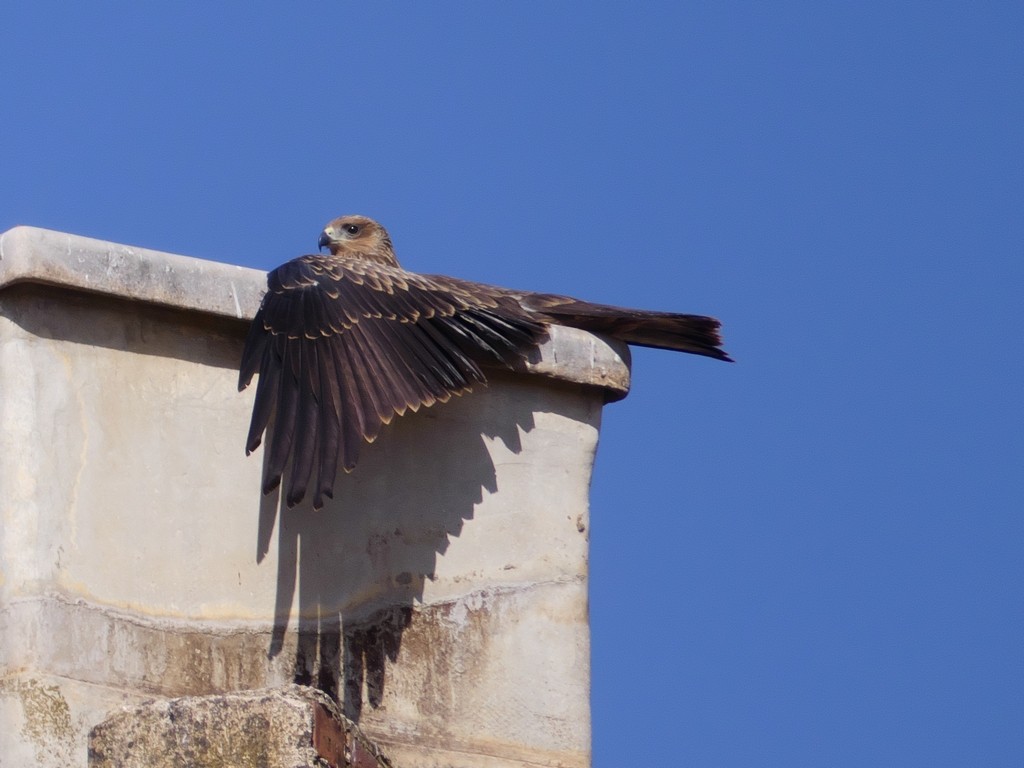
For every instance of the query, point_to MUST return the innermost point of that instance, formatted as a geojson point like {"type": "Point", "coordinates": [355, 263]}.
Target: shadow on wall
{"type": "Point", "coordinates": [361, 562]}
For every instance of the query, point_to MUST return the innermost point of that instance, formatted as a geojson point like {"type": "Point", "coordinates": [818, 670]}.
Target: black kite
{"type": "Point", "coordinates": [345, 342]}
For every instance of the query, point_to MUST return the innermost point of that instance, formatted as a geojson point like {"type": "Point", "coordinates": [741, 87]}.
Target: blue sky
{"type": "Point", "coordinates": [813, 557]}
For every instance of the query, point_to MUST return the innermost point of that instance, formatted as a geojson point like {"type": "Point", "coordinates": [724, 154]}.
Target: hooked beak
{"type": "Point", "coordinates": [324, 241]}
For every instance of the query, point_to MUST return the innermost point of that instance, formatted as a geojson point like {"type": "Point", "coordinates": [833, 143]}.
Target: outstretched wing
{"type": "Point", "coordinates": [343, 345]}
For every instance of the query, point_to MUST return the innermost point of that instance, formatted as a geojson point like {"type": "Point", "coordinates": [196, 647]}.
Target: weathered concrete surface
{"type": "Point", "coordinates": [441, 596]}
{"type": "Point", "coordinates": [291, 727]}
{"type": "Point", "coordinates": [45, 257]}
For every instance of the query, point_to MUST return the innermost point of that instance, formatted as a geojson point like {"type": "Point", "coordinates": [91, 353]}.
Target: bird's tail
{"type": "Point", "coordinates": [695, 334]}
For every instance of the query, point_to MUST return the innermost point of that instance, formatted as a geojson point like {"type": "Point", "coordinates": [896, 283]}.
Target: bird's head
{"type": "Point", "coordinates": [358, 237]}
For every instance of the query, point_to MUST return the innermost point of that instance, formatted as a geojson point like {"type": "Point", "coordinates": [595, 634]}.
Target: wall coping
{"type": "Point", "coordinates": [47, 257]}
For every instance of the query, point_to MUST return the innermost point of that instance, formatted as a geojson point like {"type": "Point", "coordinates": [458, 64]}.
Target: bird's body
{"type": "Point", "coordinates": [345, 342]}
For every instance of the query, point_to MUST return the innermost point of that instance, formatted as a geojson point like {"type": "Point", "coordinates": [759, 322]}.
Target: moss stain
{"type": "Point", "coordinates": [47, 719]}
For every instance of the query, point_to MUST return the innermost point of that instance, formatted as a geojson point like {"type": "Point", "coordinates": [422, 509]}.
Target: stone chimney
{"type": "Point", "coordinates": [440, 599]}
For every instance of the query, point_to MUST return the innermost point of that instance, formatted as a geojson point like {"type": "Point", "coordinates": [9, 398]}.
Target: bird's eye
{"type": "Point", "coordinates": [352, 229]}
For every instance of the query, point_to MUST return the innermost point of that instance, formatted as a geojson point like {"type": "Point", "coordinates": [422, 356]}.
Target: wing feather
{"type": "Point", "coordinates": [343, 345]}
{"type": "Point", "coordinates": [448, 339]}
{"type": "Point", "coordinates": [284, 415]}
{"type": "Point", "coordinates": [257, 347]}
{"type": "Point", "coordinates": [353, 412]}
{"type": "Point", "coordinates": [306, 422]}
{"type": "Point", "coordinates": [329, 430]}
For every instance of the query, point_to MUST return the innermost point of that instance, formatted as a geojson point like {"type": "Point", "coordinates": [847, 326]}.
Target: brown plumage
{"type": "Point", "coordinates": [345, 342]}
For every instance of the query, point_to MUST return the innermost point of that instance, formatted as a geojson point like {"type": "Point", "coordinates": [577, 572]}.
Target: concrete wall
{"type": "Point", "coordinates": [442, 597]}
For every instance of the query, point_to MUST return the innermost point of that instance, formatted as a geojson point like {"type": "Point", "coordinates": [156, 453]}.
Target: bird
{"type": "Point", "coordinates": [344, 342]}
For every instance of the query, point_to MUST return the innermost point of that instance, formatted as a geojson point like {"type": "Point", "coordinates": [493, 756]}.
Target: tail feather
{"type": "Point", "coordinates": [695, 334]}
